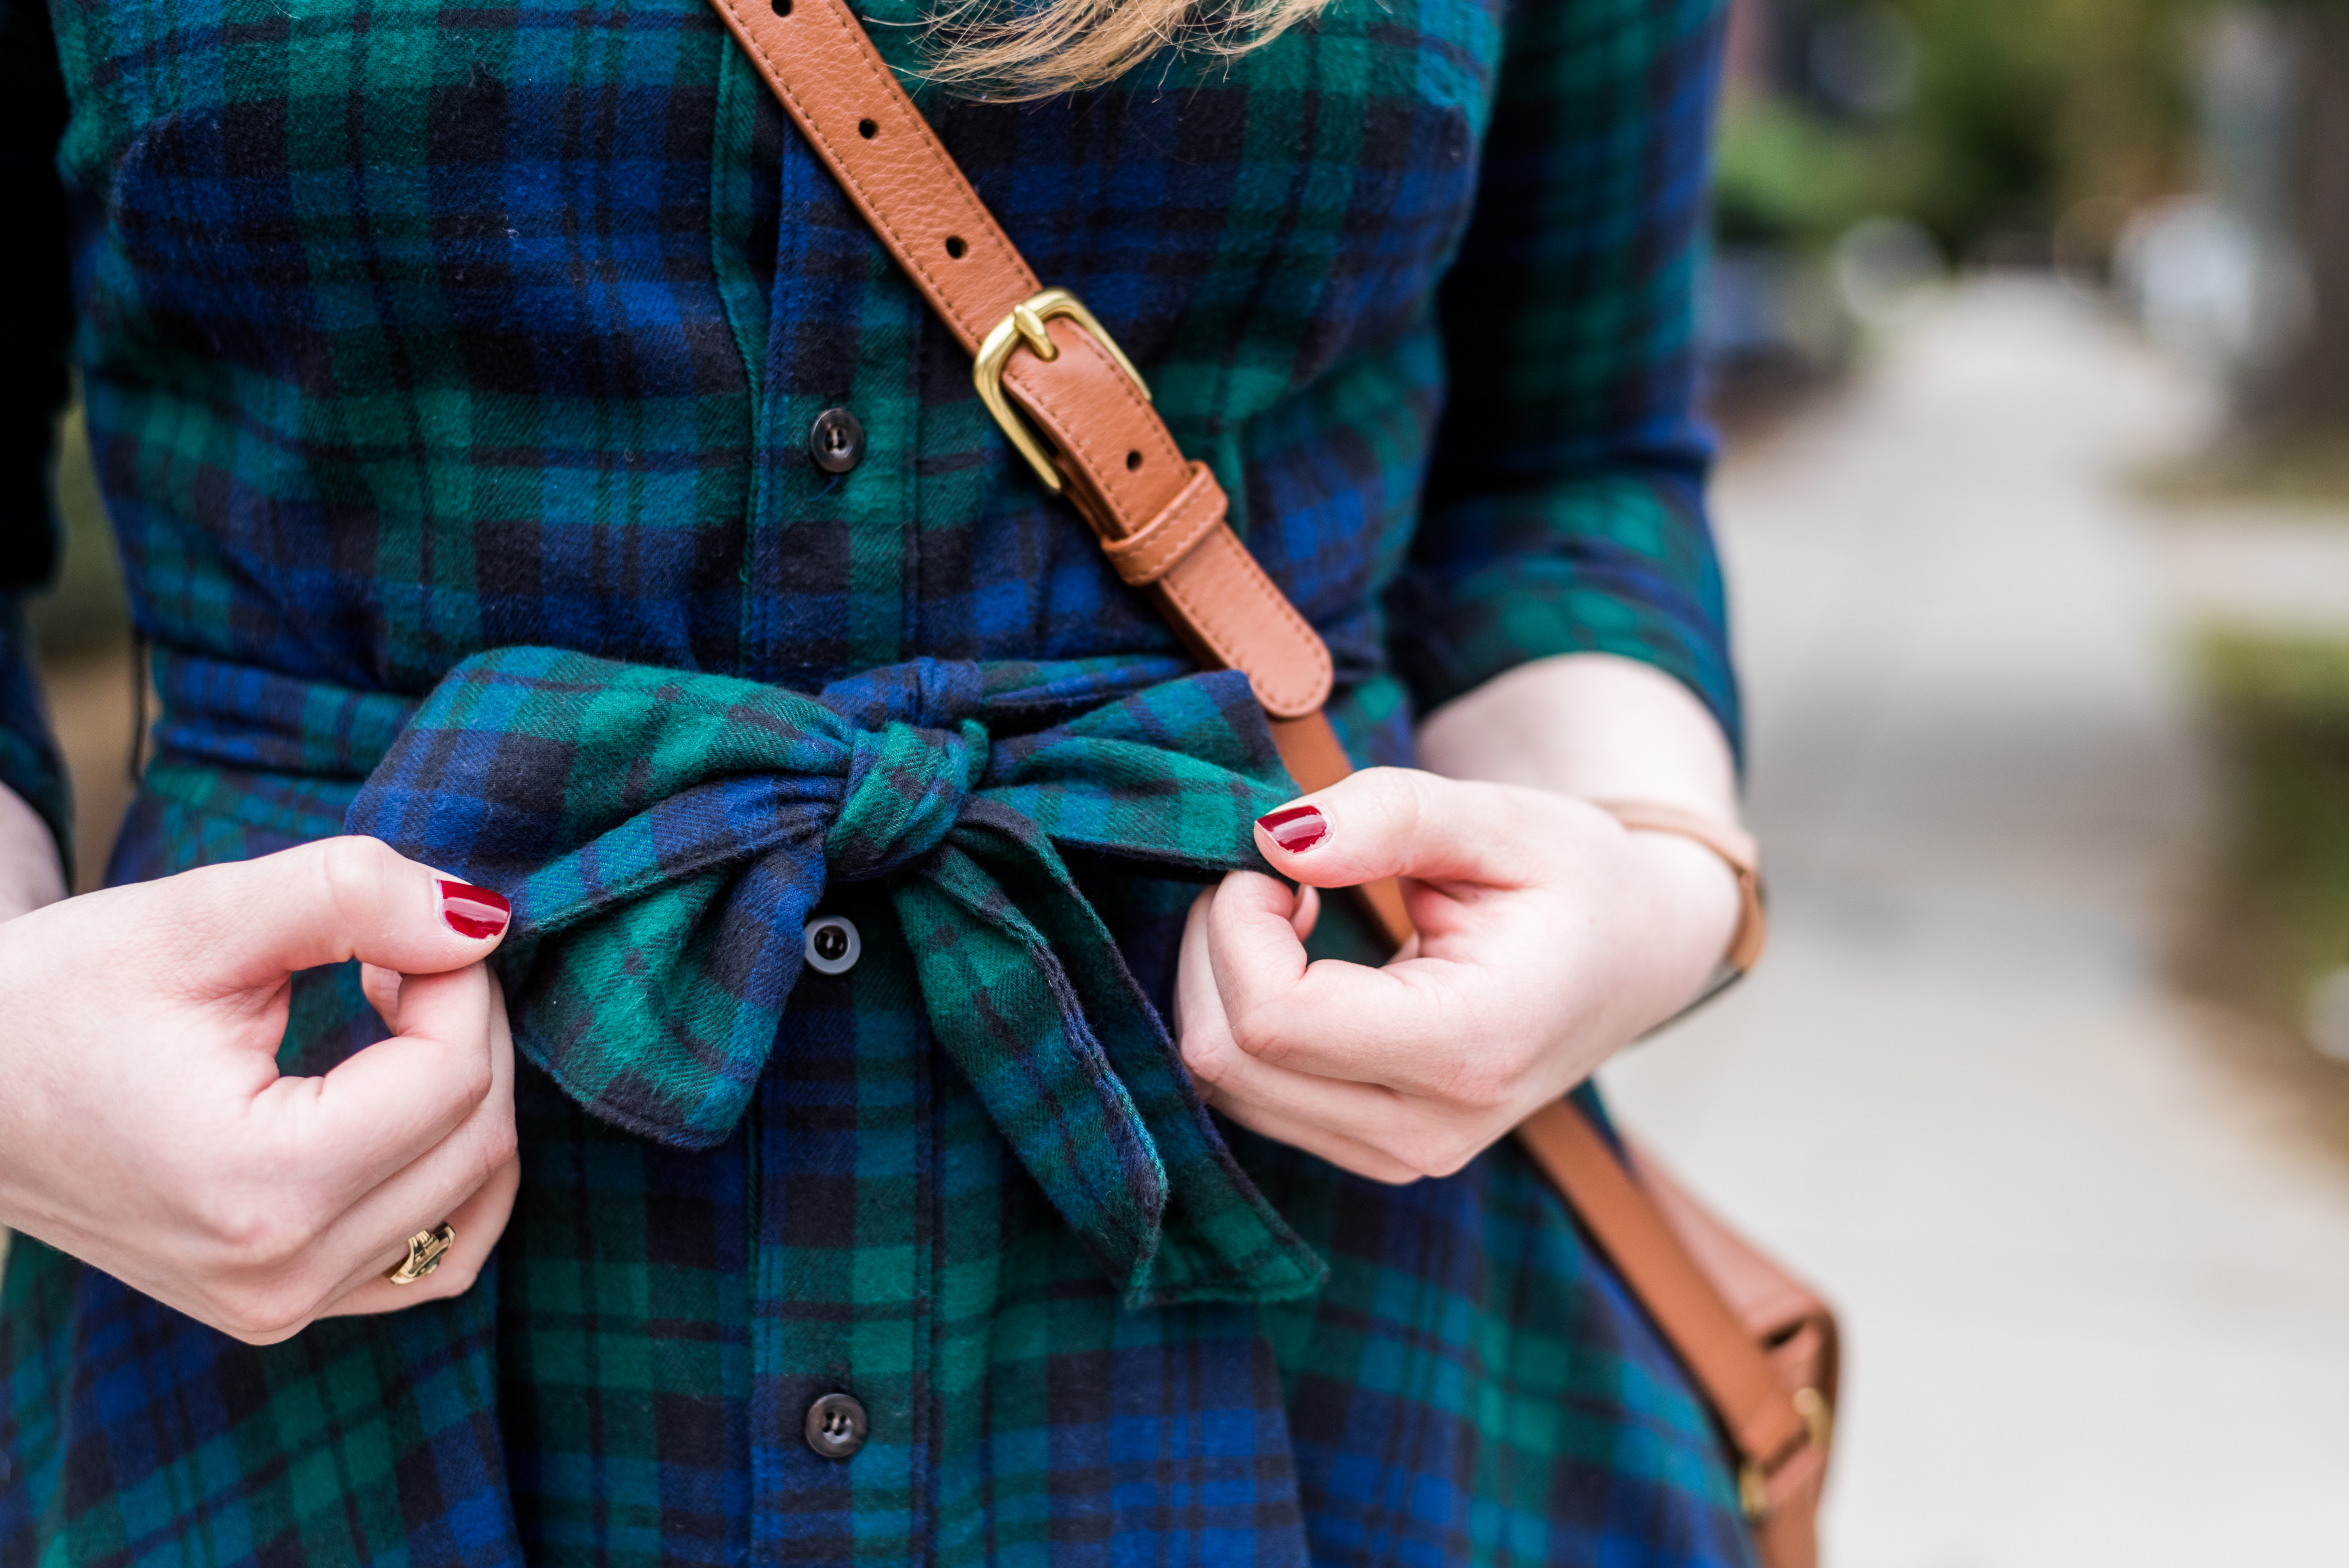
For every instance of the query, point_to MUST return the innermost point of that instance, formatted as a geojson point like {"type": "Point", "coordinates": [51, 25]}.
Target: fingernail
{"type": "Point", "coordinates": [1296, 829]}
{"type": "Point", "coordinates": [473, 912]}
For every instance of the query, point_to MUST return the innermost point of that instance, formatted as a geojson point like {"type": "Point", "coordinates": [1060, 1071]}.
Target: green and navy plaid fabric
{"type": "Point", "coordinates": [449, 370]}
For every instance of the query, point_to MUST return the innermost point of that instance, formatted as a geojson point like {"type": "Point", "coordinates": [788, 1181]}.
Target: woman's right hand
{"type": "Point", "coordinates": [144, 1127]}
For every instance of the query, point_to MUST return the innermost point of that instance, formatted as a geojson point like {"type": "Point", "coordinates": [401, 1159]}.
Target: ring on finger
{"type": "Point", "coordinates": [425, 1251]}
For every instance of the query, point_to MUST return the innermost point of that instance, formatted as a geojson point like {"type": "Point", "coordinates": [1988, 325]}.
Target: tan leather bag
{"type": "Point", "coordinates": [1760, 1346]}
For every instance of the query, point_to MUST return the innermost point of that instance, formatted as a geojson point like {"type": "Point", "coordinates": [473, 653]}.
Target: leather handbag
{"type": "Point", "coordinates": [1759, 1345]}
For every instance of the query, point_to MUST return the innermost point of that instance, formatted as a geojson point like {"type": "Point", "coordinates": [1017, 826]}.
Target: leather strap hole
{"type": "Point", "coordinates": [955, 247]}
{"type": "Point", "coordinates": [1132, 462]}
{"type": "Point", "coordinates": [782, 7]}
{"type": "Point", "coordinates": [864, 128]}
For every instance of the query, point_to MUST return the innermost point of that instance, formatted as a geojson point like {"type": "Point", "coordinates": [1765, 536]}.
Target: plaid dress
{"type": "Point", "coordinates": [449, 370]}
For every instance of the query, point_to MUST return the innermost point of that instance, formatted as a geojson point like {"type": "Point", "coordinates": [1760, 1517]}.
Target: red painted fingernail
{"type": "Point", "coordinates": [1296, 829]}
{"type": "Point", "coordinates": [473, 912]}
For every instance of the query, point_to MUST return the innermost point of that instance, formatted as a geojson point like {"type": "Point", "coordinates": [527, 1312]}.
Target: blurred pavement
{"type": "Point", "coordinates": [2094, 1268]}
{"type": "Point", "coordinates": [90, 701]}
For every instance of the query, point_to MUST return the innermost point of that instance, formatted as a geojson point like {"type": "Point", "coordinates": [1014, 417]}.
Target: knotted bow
{"type": "Point", "coordinates": [664, 836]}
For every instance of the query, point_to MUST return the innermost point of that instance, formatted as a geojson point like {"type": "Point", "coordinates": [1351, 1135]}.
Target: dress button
{"type": "Point", "coordinates": [833, 944]}
{"type": "Point", "coordinates": [836, 442]}
{"type": "Point", "coordinates": [835, 1427]}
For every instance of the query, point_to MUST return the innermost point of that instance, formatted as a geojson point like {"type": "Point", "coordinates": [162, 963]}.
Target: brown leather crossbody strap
{"type": "Point", "coordinates": [1113, 456]}
{"type": "Point", "coordinates": [1754, 1407]}
{"type": "Point", "coordinates": [1161, 521]}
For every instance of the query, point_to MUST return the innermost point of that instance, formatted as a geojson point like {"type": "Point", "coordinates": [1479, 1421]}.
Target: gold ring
{"type": "Point", "coordinates": [425, 1251]}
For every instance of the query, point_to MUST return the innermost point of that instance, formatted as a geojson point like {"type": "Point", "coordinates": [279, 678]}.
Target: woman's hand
{"type": "Point", "coordinates": [145, 1128]}
{"type": "Point", "coordinates": [1548, 937]}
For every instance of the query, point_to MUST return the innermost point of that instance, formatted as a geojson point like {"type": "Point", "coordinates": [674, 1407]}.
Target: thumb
{"type": "Point", "coordinates": [251, 923]}
{"type": "Point", "coordinates": [1401, 821]}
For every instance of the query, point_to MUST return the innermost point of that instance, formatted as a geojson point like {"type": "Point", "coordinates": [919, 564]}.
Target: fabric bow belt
{"type": "Point", "coordinates": [664, 836]}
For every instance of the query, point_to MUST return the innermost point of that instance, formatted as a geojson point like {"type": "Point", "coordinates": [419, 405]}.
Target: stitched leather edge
{"type": "Point", "coordinates": [1229, 643]}
{"type": "Point", "coordinates": [892, 101]}
{"type": "Point", "coordinates": [1040, 384]}
{"type": "Point", "coordinates": [1143, 558]}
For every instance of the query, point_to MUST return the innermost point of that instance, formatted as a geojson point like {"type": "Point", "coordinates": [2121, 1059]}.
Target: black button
{"type": "Point", "coordinates": [836, 1426]}
{"type": "Point", "coordinates": [833, 944]}
{"type": "Point", "coordinates": [836, 442]}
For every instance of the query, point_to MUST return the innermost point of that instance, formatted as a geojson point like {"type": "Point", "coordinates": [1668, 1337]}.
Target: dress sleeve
{"type": "Point", "coordinates": [1565, 509]}
{"type": "Point", "coordinates": [34, 330]}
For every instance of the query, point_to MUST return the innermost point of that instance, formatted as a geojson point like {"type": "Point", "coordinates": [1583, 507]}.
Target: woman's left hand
{"type": "Point", "coordinates": [1549, 938]}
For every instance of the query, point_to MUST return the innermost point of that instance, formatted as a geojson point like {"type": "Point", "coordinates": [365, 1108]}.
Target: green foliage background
{"type": "Point", "coordinates": [2021, 110]}
{"type": "Point", "coordinates": [2279, 908]}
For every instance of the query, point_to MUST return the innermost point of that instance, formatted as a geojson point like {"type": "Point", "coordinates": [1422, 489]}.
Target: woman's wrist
{"type": "Point", "coordinates": [1633, 741]}
{"type": "Point", "coordinates": [1697, 909]}
{"type": "Point", "coordinates": [1593, 726]}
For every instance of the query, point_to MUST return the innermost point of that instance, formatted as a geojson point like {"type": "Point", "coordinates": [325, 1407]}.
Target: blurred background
{"type": "Point", "coordinates": [2028, 334]}
{"type": "Point", "coordinates": [2029, 328]}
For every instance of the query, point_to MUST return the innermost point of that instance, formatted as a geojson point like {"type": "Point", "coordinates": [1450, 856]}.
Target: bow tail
{"type": "Point", "coordinates": [1223, 1240]}
{"type": "Point", "coordinates": [1213, 1237]}
{"type": "Point", "coordinates": [1002, 1006]}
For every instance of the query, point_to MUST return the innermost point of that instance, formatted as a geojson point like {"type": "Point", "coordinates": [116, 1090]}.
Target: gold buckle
{"type": "Point", "coordinates": [1754, 1481]}
{"type": "Point", "coordinates": [1026, 324]}
{"type": "Point", "coordinates": [1819, 1418]}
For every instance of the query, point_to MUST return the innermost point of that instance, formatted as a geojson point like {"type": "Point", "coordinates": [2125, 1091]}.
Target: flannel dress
{"type": "Point", "coordinates": [449, 368]}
